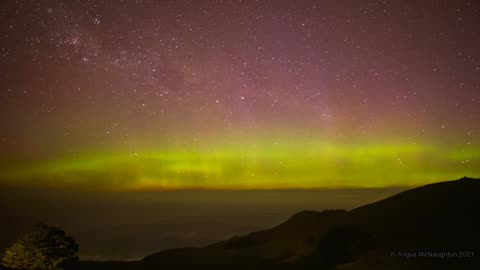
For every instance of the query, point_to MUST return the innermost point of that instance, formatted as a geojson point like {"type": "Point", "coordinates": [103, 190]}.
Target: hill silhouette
{"type": "Point", "coordinates": [430, 227]}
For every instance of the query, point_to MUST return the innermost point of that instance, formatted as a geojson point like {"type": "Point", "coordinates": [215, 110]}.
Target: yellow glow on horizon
{"type": "Point", "coordinates": [300, 165]}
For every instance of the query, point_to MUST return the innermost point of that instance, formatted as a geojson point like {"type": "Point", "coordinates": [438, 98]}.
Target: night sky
{"type": "Point", "coordinates": [128, 95]}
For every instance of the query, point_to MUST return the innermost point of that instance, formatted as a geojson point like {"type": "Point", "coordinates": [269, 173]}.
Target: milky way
{"type": "Point", "coordinates": [238, 94]}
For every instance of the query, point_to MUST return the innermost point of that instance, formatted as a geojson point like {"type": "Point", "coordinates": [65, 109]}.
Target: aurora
{"type": "Point", "coordinates": [138, 126]}
{"type": "Point", "coordinates": [279, 165]}
{"type": "Point", "coordinates": [171, 98]}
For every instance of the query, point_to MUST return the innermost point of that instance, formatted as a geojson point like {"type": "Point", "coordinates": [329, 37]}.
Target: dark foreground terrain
{"type": "Point", "coordinates": [126, 226]}
{"type": "Point", "coordinates": [431, 227]}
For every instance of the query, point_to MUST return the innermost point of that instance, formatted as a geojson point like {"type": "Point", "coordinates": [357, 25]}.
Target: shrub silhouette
{"type": "Point", "coordinates": [43, 248]}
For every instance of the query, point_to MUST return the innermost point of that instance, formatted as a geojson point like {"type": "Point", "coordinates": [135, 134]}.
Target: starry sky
{"type": "Point", "coordinates": [238, 94]}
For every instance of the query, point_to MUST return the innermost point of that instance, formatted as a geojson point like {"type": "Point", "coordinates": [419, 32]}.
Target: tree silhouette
{"type": "Point", "coordinates": [43, 248]}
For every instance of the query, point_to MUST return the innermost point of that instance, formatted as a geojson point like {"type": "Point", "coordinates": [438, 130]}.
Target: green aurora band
{"type": "Point", "coordinates": [255, 166]}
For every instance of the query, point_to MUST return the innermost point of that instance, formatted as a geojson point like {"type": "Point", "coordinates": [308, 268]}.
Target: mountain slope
{"type": "Point", "coordinates": [435, 218]}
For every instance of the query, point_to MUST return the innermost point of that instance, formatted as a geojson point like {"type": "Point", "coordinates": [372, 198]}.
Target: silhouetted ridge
{"type": "Point", "coordinates": [441, 217]}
